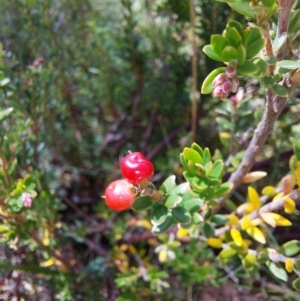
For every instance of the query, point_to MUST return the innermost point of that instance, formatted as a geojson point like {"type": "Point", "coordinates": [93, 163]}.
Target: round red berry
{"type": "Point", "coordinates": [136, 168]}
{"type": "Point", "coordinates": [119, 195]}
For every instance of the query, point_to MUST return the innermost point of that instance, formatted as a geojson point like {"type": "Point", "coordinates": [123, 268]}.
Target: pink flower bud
{"type": "Point", "coordinates": [26, 199]}
{"type": "Point", "coordinates": [235, 84]}
{"type": "Point", "coordinates": [217, 92]}
{"type": "Point", "coordinates": [226, 86]}
{"type": "Point", "coordinates": [38, 61]}
{"type": "Point", "coordinates": [219, 79]}
{"type": "Point", "coordinates": [230, 71]}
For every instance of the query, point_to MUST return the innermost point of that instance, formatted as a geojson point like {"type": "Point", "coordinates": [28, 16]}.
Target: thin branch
{"type": "Point", "coordinates": [194, 93]}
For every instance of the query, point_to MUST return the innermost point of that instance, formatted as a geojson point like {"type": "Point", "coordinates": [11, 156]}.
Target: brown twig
{"type": "Point", "coordinates": [194, 93]}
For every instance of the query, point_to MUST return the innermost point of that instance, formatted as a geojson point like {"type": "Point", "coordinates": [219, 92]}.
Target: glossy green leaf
{"type": "Point", "coordinates": [262, 67]}
{"type": "Point", "coordinates": [197, 148]}
{"type": "Point", "coordinates": [208, 230]}
{"type": "Point", "coordinates": [233, 37]}
{"type": "Point", "coordinates": [207, 193]}
{"type": "Point", "coordinates": [5, 113]}
{"type": "Point", "coordinates": [253, 36]}
{"type": "Point", "coordinates": [248, 68]}
{"type": "Point", "coordinates": [185, 165]}
{"type": "Point", "coordinates": [200, 183]}
{"type": "Point", "coordinates": [208, 167]}
{"type": "Point", "coordinates": [192, 155]}
{"type": "Point", "coordinates": [294, 22]}
{"type": "Point", "coordinates": [253, 49]}
{"type": "Point", "coordinates": [288, 64]}
{"type": "Point", "coordinates": [241, 51]}
{"type": "Point", "coordinates": [227, 253]}
{"type": "Point", "coordinates": [217, 169]}
{"type": "Point", "coordinates": [296, 284]}
{"type": "Point", "coordinates": [201, 169]}
{"type": "Point", "coordinates": [243, 9]}
{"type": "Point", "coordinates": [181, 215]}
{"type": "Point", "coordinates": [163, 227]}
{"type": "Point", "coordinates": [197, 218]}
{"type": "Point", "coordinates": [206, 156]}
{"type": "Point", "coordinates": [290, 248]}
{"type": "Point", "coordinates": [297, 265]}
{"type": "Point", "coordinates": [279, 42]}
{"type": "Point", "coordinates": [237, 26]}
{"type": "Point", "coordinates": [280, 90]}
{"type": "Point", "coordinates": [172, 201]}
{"type": "Point", "coordinates": [192, 205]}
{"type": "Point", "coordinates": [142, 203]}
{"type": "Point", "coordinates": [222, 190]}
{"type": "Point", "coordinates": [159, 214]}
{"type": "Point", "coordinates": [207, 83]}
{"type": "Point", "coordinates": [270, 60]}
{"type": "Point", "coordinates": [168, 185]}
{"type": "Point", "coordinates": [213, 182]}
{"type": "Point", "coordinates": [267, 81]}
{"type": "Point", "coordinates": [181, 189]}
{"type": "Point", "coordinates": [219, 219]}
{"type": "Point", "coordinates": [268, 3]}
{"type": "Point", "coordinates": [218, 43]}
{"type": "Point", "coordinates": [211, 54]}
{"type": "Point", "coordinates": [229, 53]}
{"type": "Point", "coordinates": [277, 270]}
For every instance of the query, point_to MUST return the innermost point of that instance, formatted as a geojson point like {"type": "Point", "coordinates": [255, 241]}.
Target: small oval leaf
{"type": "Point", "coordinates": [159, 214]}
{"type": "Point", "coordinates": [142, 203]}
{"type": "Point", "coordinates": [181, 215]}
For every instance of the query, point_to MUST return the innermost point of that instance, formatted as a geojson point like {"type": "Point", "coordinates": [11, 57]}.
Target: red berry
{"type": "Point", "coordinates": [136, 168]}
{"type": "Point", "coordinates": [119, 195]}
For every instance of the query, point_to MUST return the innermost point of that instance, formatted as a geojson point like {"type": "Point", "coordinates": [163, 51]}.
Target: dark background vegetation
{"type": "Point", "coordinates": [115, 76]}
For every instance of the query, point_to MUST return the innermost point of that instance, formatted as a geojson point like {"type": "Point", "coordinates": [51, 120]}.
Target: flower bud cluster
{"type": "Point", "coordinates": [226, 82]}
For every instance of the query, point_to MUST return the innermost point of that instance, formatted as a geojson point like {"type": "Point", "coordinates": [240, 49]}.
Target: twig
{"type": "Point", "coordinates": [194, 93]}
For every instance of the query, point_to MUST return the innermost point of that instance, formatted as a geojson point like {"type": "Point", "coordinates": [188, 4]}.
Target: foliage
{"type": "Point", "coordinates": [83, 82]}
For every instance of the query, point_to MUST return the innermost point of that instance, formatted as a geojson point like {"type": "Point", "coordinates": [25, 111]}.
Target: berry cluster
{"type": "Point", "coordinates": [226, 82]}
{"type": "Point", "coordinates": [136, 169]}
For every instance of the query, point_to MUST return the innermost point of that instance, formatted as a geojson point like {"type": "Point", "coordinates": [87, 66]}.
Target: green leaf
{"type": "Point", "coordinates": [200, 183]}
{"type": "Point", "coordinates": [185, 165]}
{"type": "Point", "coordinates": [142, 203]}
{"type": "Point", "coordinates": [227, 253]}
{"type": "Point", "coordinates": [192, 205]}
{"type": "Point", "coordinates": [208, 230]}
{"type": "Point", "coordinates": [206, 156]}
{"type": "Point", "coordinates": [168, 185]}
{"type": "Point", "coordinates": [277, 270]}
{"type": "Point", "coordinates": [297, 265]}
{"type": "Point", "coordinates": [253, 36]}
{"type": "Point", "coordinates": [219, 219]}
{"type": "Point", "coordinates": [280, 90]}
{"type": "Point", "coordinates": [290, 248]}
{"type": "Point", "coordinates": [296, 284]}
{"type": "Point", "coordinates": [230, 205]}
{"type": "Point", "coordinates": [225, 123]}
{"type": "Point", "coordinates": [279, 42]}
{"type": "Point", "coordinates": [270, 60]}
{"type": "Point", "coordinates": [181, 189]}
{"type": "Point", "coordinates": [181, 215]}
{"type": "Point", "coordinates": [211, 54]}
{"type": "Point", "coordinates": [218, 43]}
{"type": "Point", "coordinates": [288, 64]}
{"type": "Point", "coordinates": [192, 155]}
{"type": "Point", "coordinates": [233, 37]}
{"type": "Point", "coordinates": [248, 68]}
{"type": "Point", "coordinates": [267, 81]}
{"type": "Point", "coordinates": [241, 50]}
{"type": "Point", "coordinates": [159, 214]}
{"type": "Point", "coordinates": [296, 147]}
{"type": "Point", "coordinates": [217, 169]}
{"type": "Point", "coordinates": [243, 9]}
{"type": "Point", "coordinates": [262, 67]}
{"type": "Point", "coordinates": [172, 201]}
{"type": "Point", "coordinates": [237, 26]}
{"type": "Point", "coordinates": [294, 22]}
{"type": "Point", "coordinates": [161, 228]}
{"type": "Point", "coordinates": [229, 53]}
{"type": "Point", "coordinates": [5, 113]}
{"type": "Point", "coordinates": [197, 218]}
{"type": "Point", "coordinates": [207, 193]}
{"type": "Point", "coordinates": [207, 84]}
{"type": "Point", "coordinates": [197, 148]}
{"type": "Point", "coordinates": [253, 49]}
{"type": "Point", "coordinates": [222, 190]}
